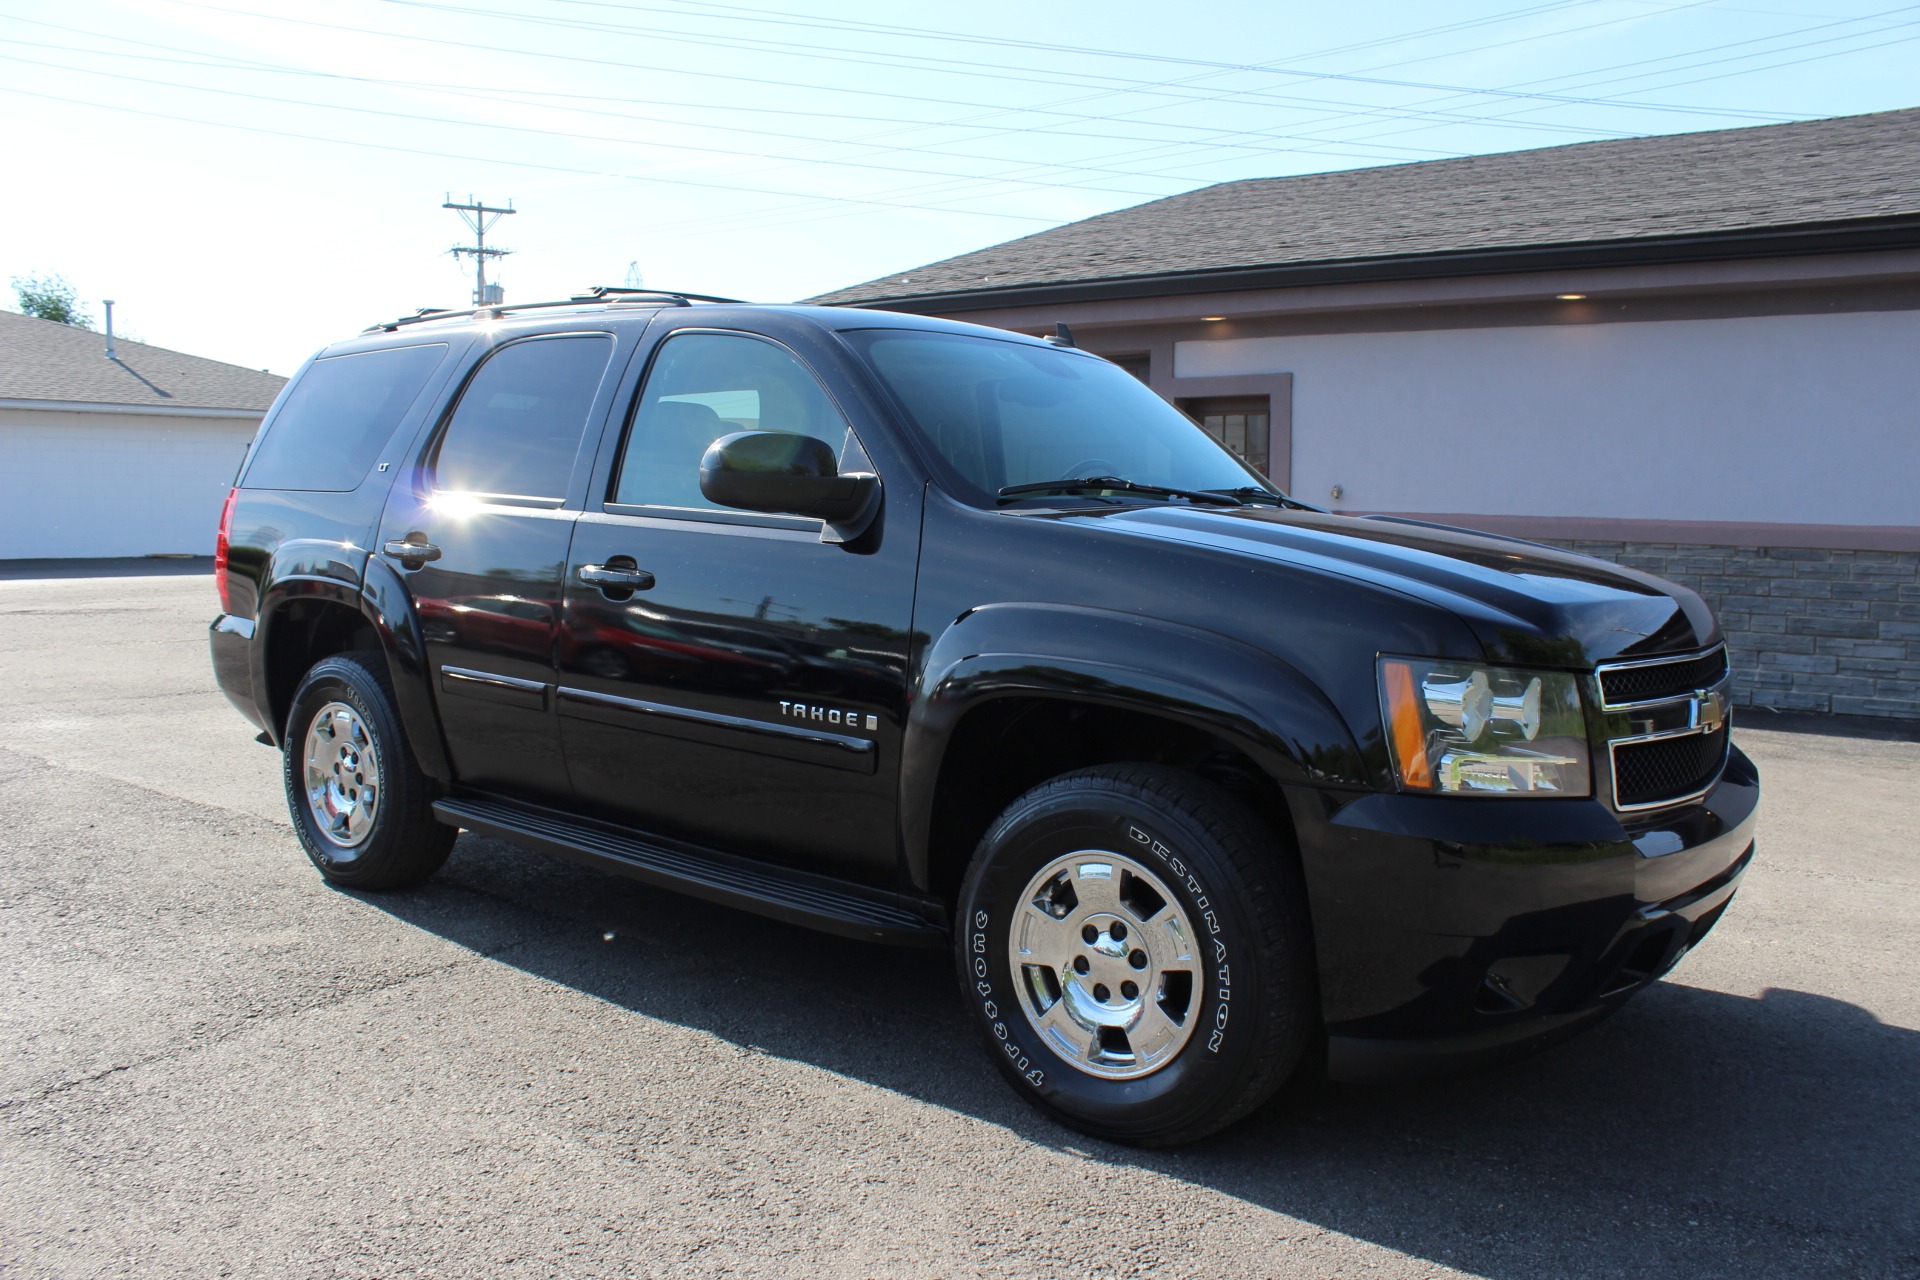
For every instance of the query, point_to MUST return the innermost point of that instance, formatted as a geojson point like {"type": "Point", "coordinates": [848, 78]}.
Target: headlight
{"type": "Point", "coordinates": [1461, 727]}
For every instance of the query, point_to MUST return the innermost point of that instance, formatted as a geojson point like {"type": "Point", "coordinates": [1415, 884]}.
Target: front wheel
{"type": "Point", "coordinates": [360, 805]}
{"type": "Point", "coordinates": [1132, 941]}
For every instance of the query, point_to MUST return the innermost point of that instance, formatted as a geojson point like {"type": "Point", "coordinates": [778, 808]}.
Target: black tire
{"type": "Point", "coordinates": [402, 843]}
{"type": "Point", "coordinates": [1238, 883]}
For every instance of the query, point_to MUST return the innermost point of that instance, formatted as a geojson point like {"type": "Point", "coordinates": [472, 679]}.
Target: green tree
{"type": "Point", "coordinates": [51, 298]}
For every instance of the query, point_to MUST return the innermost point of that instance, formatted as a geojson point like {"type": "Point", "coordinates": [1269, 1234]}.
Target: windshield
{"type": "Point", "coordinates": [1008, 413]}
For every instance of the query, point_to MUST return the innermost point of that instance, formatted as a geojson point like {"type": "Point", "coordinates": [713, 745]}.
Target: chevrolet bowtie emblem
{"type": "Point", "coordinates": [1709, 710]}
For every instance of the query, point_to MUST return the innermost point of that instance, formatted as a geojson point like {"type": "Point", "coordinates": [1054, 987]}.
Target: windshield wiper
{"type": "Point", "coordinates": [1250, 493]}
{"type": "Point", "coordinates": [1211, 497]}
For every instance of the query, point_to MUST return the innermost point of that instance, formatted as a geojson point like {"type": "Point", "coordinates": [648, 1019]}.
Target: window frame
{"type": "Point", "coordinates": [712, 515]}
{"type": "Point", "coordinates": [590, 427]}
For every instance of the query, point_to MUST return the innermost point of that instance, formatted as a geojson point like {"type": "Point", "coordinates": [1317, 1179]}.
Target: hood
{"type": "Point", "coordinates": [1527, 603]}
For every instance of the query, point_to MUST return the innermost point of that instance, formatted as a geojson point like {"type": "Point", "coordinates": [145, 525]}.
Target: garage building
{"type": "Point", "coordinates": [1693, 354]}
{"type": "Point", "coordinates": [128, 454]}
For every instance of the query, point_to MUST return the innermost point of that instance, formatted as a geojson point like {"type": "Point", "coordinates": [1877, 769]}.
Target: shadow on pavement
{"type": "Point", "coordinates": [1695, 1132]}
{"type": "Point", "coordinates": [108, 567]}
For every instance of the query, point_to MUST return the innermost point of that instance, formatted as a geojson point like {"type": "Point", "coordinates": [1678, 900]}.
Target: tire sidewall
{"type": "Point", "coordinates": [1216, 1055]}
{"type": "Point", "coordinates": [340, 679]}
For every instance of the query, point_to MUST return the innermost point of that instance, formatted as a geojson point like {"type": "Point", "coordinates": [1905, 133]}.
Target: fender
{"type": "Point", "coordinates": [386, 603]}
{"type": "Point", "coordinates": [382, 600]}
{"type": "Point", "coordinates": [297, 569]}
{"type": "Point", "coordinates": [1240, 694]}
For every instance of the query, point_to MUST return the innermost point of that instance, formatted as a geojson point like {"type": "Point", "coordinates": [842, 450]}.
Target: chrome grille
{"type": "Point", "coordinates": [1666, 770]}
{"type": "Point", "coordinates": [1644, 682]}
{"type": "Point", "coordinates": [1667, 727]}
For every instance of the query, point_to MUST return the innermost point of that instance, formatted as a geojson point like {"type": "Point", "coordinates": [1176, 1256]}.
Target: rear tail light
{"type": "Point", "coordinates": [220, 548]}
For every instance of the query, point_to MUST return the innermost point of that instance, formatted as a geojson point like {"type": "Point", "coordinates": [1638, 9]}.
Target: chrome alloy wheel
{"type": "Point", "coordinates": [1103, 958]}
{"type": "Point", "coordinates": [342, 775]}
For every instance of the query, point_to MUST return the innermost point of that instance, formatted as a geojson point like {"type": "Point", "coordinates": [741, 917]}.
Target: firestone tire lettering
{"type": "Point", "coordinates": [991, 1008]}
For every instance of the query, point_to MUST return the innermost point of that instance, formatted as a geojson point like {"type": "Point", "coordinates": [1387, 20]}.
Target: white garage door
{"type": "Point", "coordinates": [96, 484]}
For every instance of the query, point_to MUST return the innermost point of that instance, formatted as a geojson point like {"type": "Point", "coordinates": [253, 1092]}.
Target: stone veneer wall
{"type": "Point", "coordinates": [1807, 629]}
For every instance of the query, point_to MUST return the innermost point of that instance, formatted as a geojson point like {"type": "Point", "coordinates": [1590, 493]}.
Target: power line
{"type": "Point", "coordinates": [1216, 138]}
{"type": "Point", "coordinates": [1777, 36]}
{"type": "Point", "coordinates": [1333, 132]}
{"type": "Point", "coordinates": [1180, 170]}
{"type": "Point", "coordinates": [988, 71]}
{"type": "Point", "coordinates": [820, 88]}
{"type": "Point", "coordinates": [568, 134]}
{"type": "Point", "coordinates": [518, 96]}
{"type": "Point", "coordinates": [1694, 53]}
{"type": "Point", "coordinates": [1011, 177]}
{"type": "Point", "coordinates": [1004, 177]}
{"type": "Point", "coordinates": [517, 164]}
{"type": "Point", "coordinates": [1318, 105]}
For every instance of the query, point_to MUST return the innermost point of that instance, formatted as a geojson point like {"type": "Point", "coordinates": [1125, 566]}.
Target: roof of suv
{"type": "Point", "coordinates": [608, 304]}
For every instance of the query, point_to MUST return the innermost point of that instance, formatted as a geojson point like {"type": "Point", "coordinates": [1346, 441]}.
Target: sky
{"type": "Point", "coordinates": [250, 180]}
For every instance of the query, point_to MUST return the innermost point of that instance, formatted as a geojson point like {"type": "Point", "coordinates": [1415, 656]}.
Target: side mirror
{"type": "Point", "coordinates": [786, 474]}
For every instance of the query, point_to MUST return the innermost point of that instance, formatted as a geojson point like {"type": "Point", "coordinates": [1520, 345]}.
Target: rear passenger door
{"type": "Point", "coordinates": [479, 535]}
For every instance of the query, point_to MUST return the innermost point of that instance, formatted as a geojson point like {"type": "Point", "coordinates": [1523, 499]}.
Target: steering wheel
{"type": "Point", "coordinates": [1091, 467]}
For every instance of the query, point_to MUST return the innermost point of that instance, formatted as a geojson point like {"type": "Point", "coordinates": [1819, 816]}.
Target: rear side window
{"type": "Point", "coordinates": [335, 420]}
{"type": "Point", "coordinates": [518, 425]}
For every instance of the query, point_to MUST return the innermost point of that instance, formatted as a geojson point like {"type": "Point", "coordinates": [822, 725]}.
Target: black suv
{"type": "Point", "coordinates": [927, 633]}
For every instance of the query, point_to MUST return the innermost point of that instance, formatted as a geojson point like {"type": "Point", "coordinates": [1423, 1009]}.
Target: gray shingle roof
{"type": "Point", "coordinates": [44, 360]}
{"type": "Point", "coordinates": [1783, 175]}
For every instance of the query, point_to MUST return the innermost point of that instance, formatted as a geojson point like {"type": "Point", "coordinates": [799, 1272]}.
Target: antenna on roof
{"type": "Point", "coordinates": [1061, 336]}
{"type": "Point", "coordinates": [111, 353]}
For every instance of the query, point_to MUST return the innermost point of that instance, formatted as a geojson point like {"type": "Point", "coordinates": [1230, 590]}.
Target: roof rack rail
{"type": "Point", "coordinates": [599, 293]}
{"type": "Point", "coordinates": [606, 292]}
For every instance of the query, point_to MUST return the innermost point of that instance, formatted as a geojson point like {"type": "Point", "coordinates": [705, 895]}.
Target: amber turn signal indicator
{"type": "Point", "coordinates": [1409, 738]}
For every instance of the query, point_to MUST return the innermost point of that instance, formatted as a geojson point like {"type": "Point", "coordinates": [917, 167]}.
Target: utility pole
{"type": "Point", "coordinates": [479, 219]}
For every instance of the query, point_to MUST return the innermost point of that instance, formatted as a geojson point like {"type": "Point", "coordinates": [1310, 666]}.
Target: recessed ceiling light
{"type": "Point", "coordinates": [1213, 317]}
{"type": "Point", "coordinates": [1570, 297]}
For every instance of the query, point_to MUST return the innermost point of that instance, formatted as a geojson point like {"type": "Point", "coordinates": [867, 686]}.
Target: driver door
{"type": "Point", "coordinates": [743, 686]}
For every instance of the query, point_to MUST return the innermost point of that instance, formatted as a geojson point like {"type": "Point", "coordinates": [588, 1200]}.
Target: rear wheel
{"type": "Point", "coordinates": [360, 805]}
{"type": "Point", "coordinates": [1133, 945]}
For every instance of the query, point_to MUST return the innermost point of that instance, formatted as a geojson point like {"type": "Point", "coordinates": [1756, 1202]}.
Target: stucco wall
{"type": "Point", "coordinates": [1809, 419]}
{"type": "Point", "coordinates": [99, 484]}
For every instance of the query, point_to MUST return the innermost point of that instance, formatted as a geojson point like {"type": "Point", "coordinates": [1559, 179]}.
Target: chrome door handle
{"type": "Point", "coordinates": [602, 575]}
{"type": "Point", "coordinates": [403, 549]}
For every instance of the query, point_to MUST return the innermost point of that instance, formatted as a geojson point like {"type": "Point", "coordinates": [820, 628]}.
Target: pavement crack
{"type": "Point", "coordinates": [246, 1026]}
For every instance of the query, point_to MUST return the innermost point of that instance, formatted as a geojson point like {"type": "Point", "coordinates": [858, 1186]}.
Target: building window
{"type": "Point", "coordinates": [1242, 423]}
{"type": "Point", "coordinates": [1140, 366]}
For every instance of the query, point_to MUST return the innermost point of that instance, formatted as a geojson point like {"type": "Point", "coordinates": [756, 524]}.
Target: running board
{"type": "Point", "coordinates": [797, 897]}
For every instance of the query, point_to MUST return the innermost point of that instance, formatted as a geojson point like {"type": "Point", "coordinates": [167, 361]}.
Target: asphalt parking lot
{"type": "Point", "coordinates": [216, 1065]}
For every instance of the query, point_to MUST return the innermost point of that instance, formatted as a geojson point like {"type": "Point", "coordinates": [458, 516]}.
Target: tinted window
{"type": "Point", "coordinates": [1003, 413]}
{"type": "Point", "coordinates": [707, 385]}
{"type": "Point", "coordinates": [519, 422]}
{"type": "Point", "coordinates": [335, 420]}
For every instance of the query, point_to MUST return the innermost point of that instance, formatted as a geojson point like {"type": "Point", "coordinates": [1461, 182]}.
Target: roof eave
{"type": "Point", "coordinates": [139, 410]}
{"type": "Point", "coordinates": [1898, 231]}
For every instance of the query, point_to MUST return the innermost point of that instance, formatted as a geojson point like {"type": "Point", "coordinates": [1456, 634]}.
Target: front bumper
{"type": "Point", "coordinates": [1452, 932]}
